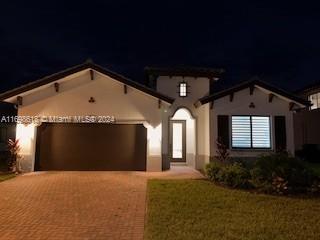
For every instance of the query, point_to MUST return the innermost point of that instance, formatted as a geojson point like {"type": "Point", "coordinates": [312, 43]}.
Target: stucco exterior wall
{"type": "Point", "coordinates": [197, 88]}
{"type": "Point", "coordinates": [110, 100]}
{"type": "Point", "coordinates": [240, 106]}
{"type": "Point", "coordinates": [203, 136]}
{"type": "Point", "coordinates": [138, 107]}
{"type": "Point", "coordinates": [72, 99]}
{"type": "Point", "coordinates": [197, 135]}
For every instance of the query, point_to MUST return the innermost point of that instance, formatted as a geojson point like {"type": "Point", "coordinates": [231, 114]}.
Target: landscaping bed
{"type": "Point", "coordinates": [276, 173]}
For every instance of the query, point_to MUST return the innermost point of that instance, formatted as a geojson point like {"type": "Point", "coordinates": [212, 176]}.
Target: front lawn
{"type": "Point", "coordinates": [6, 176]}
{"type": "Point", "coordinates": [198, 209]}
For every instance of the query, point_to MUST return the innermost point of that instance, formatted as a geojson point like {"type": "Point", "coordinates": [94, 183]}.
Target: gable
{"type": "Point", "coordinates": [258, 103]}
{"type": "Point", "coordinates": [88, 68]}
{"type": "Point", "coordinates": [103, 96]}
{"type": "Point", "coordinates": [250, 87]}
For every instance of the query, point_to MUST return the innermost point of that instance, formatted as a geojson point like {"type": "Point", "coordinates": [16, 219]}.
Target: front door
{"type": "Point", "coordinates": [178, 140]}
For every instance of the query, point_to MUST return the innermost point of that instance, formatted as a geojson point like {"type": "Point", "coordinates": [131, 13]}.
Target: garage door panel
{"type": "Point", "coordinates": [91, 147]}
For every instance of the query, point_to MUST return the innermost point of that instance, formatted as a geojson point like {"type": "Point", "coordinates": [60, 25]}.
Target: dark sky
{"type": "Point", "coordinates": [278, 42]}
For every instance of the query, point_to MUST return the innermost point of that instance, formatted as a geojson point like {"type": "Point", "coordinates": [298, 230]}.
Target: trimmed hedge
{"type": "Point", "coordinates": [232, 175]}
{"type": "Point", "coordinates": [280, 173]}
{"type": "Point", "coordinates": [275, 174]}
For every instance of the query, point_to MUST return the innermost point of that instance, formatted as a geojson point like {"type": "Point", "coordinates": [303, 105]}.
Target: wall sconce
{"type": "Point", "coordinates": [92, 100]}
{"type": "Point", "coordinates": [252, 105]}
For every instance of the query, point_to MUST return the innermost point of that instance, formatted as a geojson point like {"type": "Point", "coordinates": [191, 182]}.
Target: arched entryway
{"type": "Point", "coordinates": [183, 137]}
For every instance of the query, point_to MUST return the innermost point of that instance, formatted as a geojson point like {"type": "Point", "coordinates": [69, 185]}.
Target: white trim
{"type": "Point", "coordinates": [61, 80]}
{"type": "Point", "coordinates": [278, 95]}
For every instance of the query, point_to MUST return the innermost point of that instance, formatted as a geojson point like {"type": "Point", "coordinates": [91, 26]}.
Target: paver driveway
{"type": "Point", "coordinates": [73, 205]}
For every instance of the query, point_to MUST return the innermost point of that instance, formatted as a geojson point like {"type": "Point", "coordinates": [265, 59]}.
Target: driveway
{"type": "Point", "coordinates": [78, 205]}
{"type": "Point", "coordinates": [73, 205]}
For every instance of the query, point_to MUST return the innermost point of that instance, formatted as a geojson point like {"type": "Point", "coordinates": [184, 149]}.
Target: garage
{"type": "Point", "coordinates": [69, 104]}
{"type": "Point", "coordinates": [91, 147]}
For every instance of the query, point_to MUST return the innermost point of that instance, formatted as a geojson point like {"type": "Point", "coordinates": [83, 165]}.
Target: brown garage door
{"type": "Point", "coordinates": [91, 147]}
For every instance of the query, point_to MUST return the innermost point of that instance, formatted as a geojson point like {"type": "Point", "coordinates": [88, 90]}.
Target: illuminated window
{"type": "Point", "coordinates": [315, 100]}
{"type": "Point", "coordinates": [251, 132]}
{"type": "Point", "coordinates": [182, 89]}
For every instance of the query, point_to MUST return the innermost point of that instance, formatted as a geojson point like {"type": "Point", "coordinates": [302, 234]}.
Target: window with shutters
{"type": "Point", "coordinates": [251, 132]}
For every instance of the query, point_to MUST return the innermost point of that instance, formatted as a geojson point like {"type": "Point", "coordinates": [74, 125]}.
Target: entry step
{"type": "Point", "coordinates": [178, 164]}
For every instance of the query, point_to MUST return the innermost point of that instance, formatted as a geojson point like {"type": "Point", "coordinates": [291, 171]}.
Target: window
{"type": "Point", "coordinates": [241, 132]}
{"type": "Point", "coordinates": [183, 89]}
{"type": "Point", "coordinates": [251, 132]}
{"type": "Point", "coordinates": [315, 100]}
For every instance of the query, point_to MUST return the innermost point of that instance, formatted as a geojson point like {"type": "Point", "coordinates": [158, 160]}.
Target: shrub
{"type": "Point", "coordinates": [232, 175]}
{"type": "Point", "coordinates": [276, 173]}
{"type": "Point", "coordinates": [212, 171]}
{"type": "Point", "coordinates": [235, 176]}
{"type": "Point", "coordinates": [281, 174]}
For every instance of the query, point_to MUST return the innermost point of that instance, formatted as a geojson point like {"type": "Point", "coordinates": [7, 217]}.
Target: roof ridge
{"type": "Point", "coordinates": [184, 71]}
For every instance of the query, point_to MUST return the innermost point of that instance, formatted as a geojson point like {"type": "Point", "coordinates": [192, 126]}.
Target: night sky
{"type": "Point", "coordinates": [279, 43]}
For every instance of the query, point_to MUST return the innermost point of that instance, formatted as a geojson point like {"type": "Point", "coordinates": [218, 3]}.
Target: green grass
{"type": "Point", "coordinates": [6, 176]}
{"type": "Point", "coordinates": [198, 209]}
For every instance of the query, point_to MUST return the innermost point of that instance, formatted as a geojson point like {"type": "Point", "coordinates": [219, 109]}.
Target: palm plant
{"type": "Point", "coordinates": [14, 159]}
{"type": "Point", "coordinates": [222, 151]}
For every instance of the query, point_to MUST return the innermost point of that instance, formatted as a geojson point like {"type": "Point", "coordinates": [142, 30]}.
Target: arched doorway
{"type": "Point", "coordinates": [182, 137]}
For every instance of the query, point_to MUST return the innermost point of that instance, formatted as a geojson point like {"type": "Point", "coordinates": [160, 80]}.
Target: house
{"type": "Point", "coordinates": [90, 118]}
{"type": "Point", "coordinates": [306, 122]}
{"type": "Point", "coordinates": [311, 93]}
